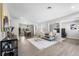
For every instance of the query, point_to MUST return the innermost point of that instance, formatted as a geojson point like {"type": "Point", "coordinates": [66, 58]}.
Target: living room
{"type": "Point", "coordinates": [42, 27]}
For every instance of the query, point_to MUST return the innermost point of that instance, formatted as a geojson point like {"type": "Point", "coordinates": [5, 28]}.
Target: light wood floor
{"type": "Point", "coordinates": [69, 47]}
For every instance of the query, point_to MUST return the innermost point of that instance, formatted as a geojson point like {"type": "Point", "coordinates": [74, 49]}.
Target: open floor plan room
{"type": "Point", "coordinates": [39, 29]}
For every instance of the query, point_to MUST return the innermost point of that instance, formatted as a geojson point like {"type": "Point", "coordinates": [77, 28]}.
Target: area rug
{"type": "Point", "coordinates": [41, 43]}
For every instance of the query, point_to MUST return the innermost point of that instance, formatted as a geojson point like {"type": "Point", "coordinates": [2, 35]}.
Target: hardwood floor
{"type": "Point", "coordinates": [68, 47]}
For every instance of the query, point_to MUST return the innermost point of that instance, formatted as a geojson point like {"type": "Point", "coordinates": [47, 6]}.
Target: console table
{"type": "Point", "coordinates": [9, 47]}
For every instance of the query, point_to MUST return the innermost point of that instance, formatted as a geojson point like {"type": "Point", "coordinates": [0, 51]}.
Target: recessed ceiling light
{"type": "Point", "coordinates": [72, 7]}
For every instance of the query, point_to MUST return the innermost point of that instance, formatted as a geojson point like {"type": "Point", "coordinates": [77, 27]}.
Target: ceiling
{"type": "Point", "coordinates": [40, 12]}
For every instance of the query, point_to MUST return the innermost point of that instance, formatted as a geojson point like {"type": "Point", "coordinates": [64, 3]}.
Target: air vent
{"type": "Point", "coordinates": [49, 7]}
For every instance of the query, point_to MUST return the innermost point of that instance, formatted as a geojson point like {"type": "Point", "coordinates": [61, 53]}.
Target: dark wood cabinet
{"type": "Point", "coordinates": [9, 47]}
{"type": "Point", "coordinates": [63, 33]}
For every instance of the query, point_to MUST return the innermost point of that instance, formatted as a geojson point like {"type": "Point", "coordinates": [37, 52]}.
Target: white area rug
{"type": "Point", "coordinates": [41, 43]}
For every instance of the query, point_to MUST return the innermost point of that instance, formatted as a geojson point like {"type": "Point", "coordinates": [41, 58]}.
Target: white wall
{"type": "Point", "coordinates": [71, 33]}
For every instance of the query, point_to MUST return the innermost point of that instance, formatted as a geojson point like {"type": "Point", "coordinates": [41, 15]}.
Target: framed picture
{"type": "Point", "coordinates": [5, 24]}
{"type": "Point", "coordinates": [73, 27]}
